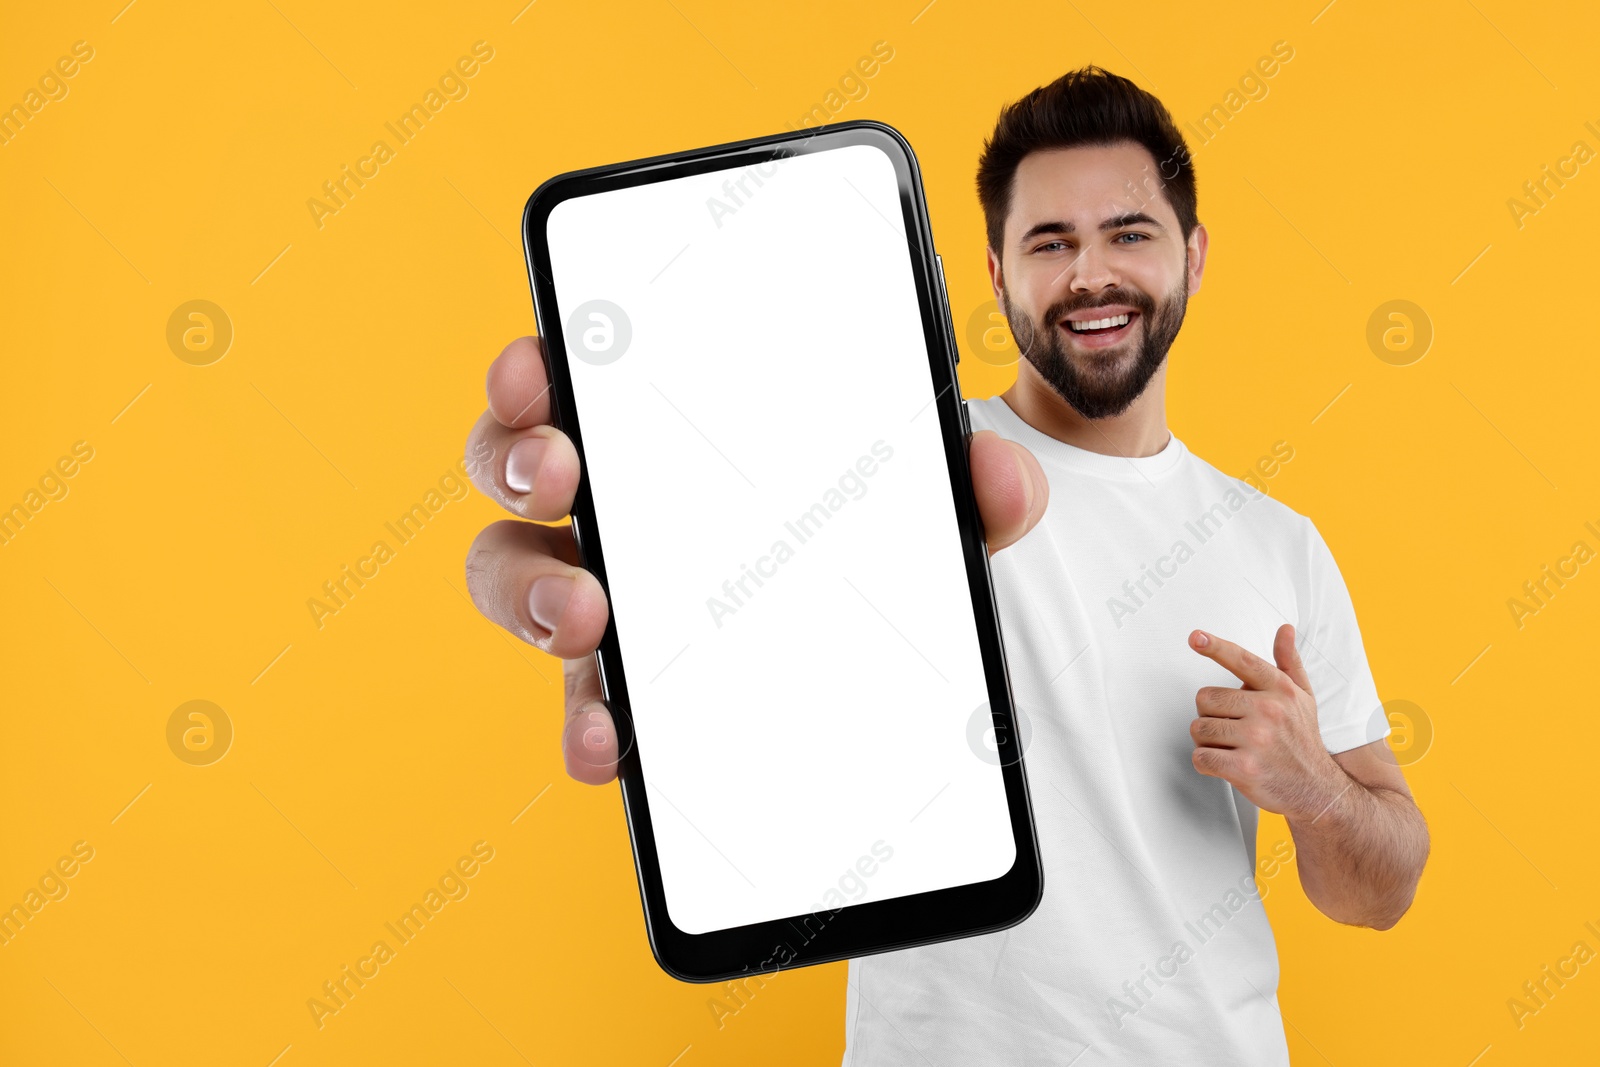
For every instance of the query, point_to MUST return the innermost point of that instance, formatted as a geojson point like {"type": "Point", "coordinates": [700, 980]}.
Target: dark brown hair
{"type": "Point", "coordinates": [1090, 106]}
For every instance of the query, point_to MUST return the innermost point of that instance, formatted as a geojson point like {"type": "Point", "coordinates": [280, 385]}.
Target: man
{"type": "Point", "coordinates": [1147, 761]}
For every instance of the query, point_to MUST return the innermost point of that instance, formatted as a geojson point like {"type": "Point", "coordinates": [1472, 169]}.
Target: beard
{"type": "Point", "coordinates": [1104, 382]}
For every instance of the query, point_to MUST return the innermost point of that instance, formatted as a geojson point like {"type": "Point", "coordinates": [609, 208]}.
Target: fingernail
{"type": "Point", "coordinates": [547, 599]}
{"type": "Point", "coordinates": [523, 463]}
{"type": "Point", "coordinates": [1200, 639]}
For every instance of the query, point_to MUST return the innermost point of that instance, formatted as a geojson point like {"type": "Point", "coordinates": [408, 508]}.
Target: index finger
{"type": "Point", "coordinates": [1249, 668]}
{"type": "Point", "coordinates": [519, 388]}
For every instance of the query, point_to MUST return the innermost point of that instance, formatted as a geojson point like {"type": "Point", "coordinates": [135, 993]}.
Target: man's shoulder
{"type": "Point", "coordinates": [1254, 488]}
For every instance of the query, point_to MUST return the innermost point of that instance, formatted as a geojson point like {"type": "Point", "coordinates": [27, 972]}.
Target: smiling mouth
{"type": "Point", "coordinates": [1095, 333]}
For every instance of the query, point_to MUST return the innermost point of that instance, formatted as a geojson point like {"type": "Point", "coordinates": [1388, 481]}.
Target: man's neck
{"type": "Point", "coordinates": [1139, 431]}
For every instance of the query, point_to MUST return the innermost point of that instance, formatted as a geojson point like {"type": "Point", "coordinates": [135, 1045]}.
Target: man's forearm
{"type": "Point", "coordinates": [1361, 855]}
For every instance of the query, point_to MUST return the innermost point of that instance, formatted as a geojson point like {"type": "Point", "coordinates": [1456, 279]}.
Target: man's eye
{"type": "Point", "coordinates": [1048, 245]}
{"type": "Point", "coordinates": [1137, 237]}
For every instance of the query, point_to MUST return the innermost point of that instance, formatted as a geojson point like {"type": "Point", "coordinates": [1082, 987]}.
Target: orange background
{"type": "Point", "coordinates": [370, 754]}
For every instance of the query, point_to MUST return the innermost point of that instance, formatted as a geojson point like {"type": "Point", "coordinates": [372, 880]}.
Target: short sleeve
{"type": "Point", "coordinates": [1349, 712]}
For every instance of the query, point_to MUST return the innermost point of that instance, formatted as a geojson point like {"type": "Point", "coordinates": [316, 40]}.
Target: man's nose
{"type": "Point", "coordinates": [1090, 271]}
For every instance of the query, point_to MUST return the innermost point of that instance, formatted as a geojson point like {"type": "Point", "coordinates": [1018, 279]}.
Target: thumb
{"type": "Point", "coordinates": [1288, 657]}
{"type": "Point", "coordinates": [1010, 486]}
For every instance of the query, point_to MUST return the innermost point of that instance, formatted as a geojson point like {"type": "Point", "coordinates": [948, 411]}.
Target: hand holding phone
{"type": "Point", "coordinates": [530, 468]}
{"type": "Point", "coordinates": [763, 446]}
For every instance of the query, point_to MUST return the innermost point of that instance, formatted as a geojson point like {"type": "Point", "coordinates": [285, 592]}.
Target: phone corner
{"type": "Point", "coordinates": [677, 973]}
{"type": "Point", "coordinates": [882, 127]}
{"type": "Point", "coordinates": [901, 142]}
{"type": "Point", "coordinates": [1035, 898]}
{"type": "Point", "coordinates": [533, 205]}
{"type": "Point", "coordinates": [666, 941]}
{"type": "Point", "coordinates": [1030, 906]}
{"type": "Point", "coordinates": [1029, 865]}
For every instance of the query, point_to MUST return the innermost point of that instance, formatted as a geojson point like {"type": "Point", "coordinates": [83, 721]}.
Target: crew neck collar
{"type": "Point", "coordinates": [1098, 464]}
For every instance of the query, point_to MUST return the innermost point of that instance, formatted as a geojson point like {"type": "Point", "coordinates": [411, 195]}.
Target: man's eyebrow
{"type": "Point", "coordinates": [1131, 218]}
{"type": "Point", "coordinates": [1127, 218]}
{"type": "Point", "coordinates": [1042, 228]}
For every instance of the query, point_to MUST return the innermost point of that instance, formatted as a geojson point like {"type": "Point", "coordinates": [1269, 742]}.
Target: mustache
{"type": "Point", "coordinates": [1127, 297]}
{"type": "Point", "coordinates": [1027, 331]}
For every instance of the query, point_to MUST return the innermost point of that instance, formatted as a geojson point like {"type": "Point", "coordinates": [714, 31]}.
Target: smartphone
{"type": "Point", "coordinates": [750, 346]}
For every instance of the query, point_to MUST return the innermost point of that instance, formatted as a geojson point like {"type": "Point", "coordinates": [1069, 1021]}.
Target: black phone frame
{"type": "Point", "coordinates": [856, 929]}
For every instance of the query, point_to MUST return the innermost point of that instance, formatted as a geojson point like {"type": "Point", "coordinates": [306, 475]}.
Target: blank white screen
{"type": "Point", "coordinates": [775, 369]}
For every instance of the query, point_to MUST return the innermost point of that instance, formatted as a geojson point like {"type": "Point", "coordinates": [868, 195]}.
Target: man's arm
{"type": "Point", "coordinates": [1360, 838]}
{"type": "Point", "coordinates": [1360, 859]}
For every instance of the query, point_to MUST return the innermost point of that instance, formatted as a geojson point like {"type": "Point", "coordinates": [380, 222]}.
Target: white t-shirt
{"type": "Point", "coordinates": [1151, 945]}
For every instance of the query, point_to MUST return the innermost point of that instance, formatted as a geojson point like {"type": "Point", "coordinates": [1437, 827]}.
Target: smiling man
{"type": "Point", "coordinates": [1182, 645]}
{"type": "Point", "coordinates": [1182, 648]}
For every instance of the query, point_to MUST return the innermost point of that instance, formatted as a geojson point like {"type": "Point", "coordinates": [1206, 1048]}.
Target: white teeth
{"type": "Point", "coordinates": [1098, 324]}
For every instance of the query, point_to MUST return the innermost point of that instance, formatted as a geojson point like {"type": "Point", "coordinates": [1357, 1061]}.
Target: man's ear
{"type": "Point", "coordinates": [1195, 251]}
{"type": "Point", "coordinates": [997, 281]}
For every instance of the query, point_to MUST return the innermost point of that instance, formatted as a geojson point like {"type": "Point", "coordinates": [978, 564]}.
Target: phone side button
{"type": "Point", "coordinates": [944, 294]}
{"type": "Point", "coordinates": [966, 421]}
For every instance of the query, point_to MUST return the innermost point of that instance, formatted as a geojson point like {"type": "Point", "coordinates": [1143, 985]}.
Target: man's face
{"type": "Point", "coordinates": [1090, 237]}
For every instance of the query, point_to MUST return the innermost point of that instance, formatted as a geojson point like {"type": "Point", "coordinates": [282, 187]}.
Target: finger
{"type": "Point", "coordinates": [1215, 732]}
{"type": "Point", "coordinates": [1010, 487]}
{"type": "Point", "coordinates": [1216, 762]}
{"type": "Point", "coordinates": [1245, 665]}
{"type": "Point", "coordinates": [1288, 657]}
{"type": "Point", "coordinates": [524, 577]}
{"type": "Point", "coordinates": [531, 472]}
{"type": "Point", "coordinates": [519, 389]}
{"type": "Point", "coordinates": [589, 736]}
{"type": "Point", "coordinates": [1222, 702]}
